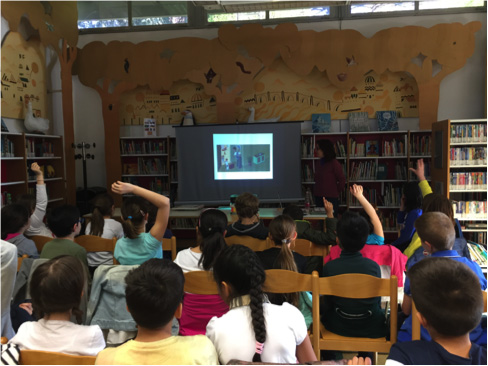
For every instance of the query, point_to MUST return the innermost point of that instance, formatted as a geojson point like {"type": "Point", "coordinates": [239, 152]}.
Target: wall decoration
{"type": "Point", "coordinates": [23, 76]}
{"type": "Point", "coordinates": [321, 122]}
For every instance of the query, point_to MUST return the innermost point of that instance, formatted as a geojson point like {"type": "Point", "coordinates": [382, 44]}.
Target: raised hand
{"type": "Point", "coordinates": [329, 208]}
{"type": "Point", "coordinates": [420, 170]}
{"type": "Point", "coordinates": [122, 187]}
{"type": "Point", "coordinates": [356, 190]}
{"type": "Point", "coordinates": [36, 169]}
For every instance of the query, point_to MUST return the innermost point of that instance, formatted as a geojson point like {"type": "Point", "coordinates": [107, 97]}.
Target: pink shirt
{"type": "Point", "coordinates": [198, 310]}
{"type": "Point", "coordinates": [329, 178]}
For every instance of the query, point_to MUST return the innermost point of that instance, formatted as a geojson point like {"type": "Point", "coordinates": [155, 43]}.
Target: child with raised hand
{"type": "Point", "coordinates": [449, 301]}
{"type": "Point", "coordinates": [253, 329]}
{"type": "Point", "coordinates": [138, 246]}
{"type": "Point", "coordinates": [376, 235]}
{"type": "Point", "coordinates": [36, 205]}
{"type": "Point", "coordinates": [15, 221]}
{"type": "Point", "coordinates": [154, 292]}
{"type": "Point", "coordinates": [410, 210]}
{"type": "Point", "coordinates": [56, 290]}
{"type": "Point", "coordinates": [102, 224]}
{"type": "Point", "coordinates": [211, 230]}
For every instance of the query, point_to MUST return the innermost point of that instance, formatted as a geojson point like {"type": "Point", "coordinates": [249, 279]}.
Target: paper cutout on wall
{"type": "Point", "coordinates": [23, 76]}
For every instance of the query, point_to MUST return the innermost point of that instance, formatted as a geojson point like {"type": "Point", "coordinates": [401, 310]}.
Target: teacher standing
{"type": "Point", "coordinates": [329, 176]}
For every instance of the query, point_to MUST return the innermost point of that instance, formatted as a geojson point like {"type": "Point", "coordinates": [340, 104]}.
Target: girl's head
{"type": "Point", "coordinates": [413, 196]}
{"type": "Point", "coordinates": [211, 229]}
{"type": "Point", "coordinates": [29, 201]}
{"type": "Point", "coordinates": [15, 219]}
{"type": "Point", "coordinates": [134, 215]}
{"type": "Point", "coordinates": [238, 272]}
{"type": "Point", "coordinates": [326, 149]}
{"type": "Point", "coordinates": [104, 205]}
{"type": "Point", "coordinates": [435, 202]}
{"type": "Point", "coordinates": [57, 286]}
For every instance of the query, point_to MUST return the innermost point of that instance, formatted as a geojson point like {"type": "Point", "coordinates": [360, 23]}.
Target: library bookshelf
{"type": "Point", "coordinates": [19, 151]}
{"type": "Point", "coordinates": [377, 160]}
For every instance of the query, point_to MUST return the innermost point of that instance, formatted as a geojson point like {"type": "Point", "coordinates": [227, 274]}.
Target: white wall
{"type": "Point", "coordinates": [462, 93]}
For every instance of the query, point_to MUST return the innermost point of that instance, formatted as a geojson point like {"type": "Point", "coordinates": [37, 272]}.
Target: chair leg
{"type": "Point", "coordinates": [375, 361]}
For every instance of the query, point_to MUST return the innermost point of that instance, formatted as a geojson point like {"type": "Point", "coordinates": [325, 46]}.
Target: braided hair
{"type": "Point", "coordinates": [211, 228]}
{"type": "Point", "coordinates": [241, 268]}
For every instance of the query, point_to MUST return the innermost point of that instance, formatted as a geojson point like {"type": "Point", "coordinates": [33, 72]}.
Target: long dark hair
{"type": "Point", "coordinates": [103, 207]}
{"type": "Point", "coordinates": [413, 196]}
{"type": "Point", "coordinates": [240, 267]}
{"type": "Point", "coordinates": [327, 148]}
{"type": "Point", "coordinates": [133, 210]}
{"type": "Point", "coordinates": [211, 227]}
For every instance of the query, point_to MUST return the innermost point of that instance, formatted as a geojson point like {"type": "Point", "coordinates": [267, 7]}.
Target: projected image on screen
{"type": "Point", "coordinates": [243, 156]}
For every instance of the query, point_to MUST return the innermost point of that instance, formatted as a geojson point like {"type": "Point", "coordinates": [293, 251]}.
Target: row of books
{"type": "Point", "coordinates": [307, 148]}
{"type": "Point", "coordinates": [469, 209]}
{"type": "Point", "coordinates": [307, 173]}
{"type": "Point", "coordinates": [479, 238]}
{"type": "Point", "coordinates": [364, 170]}
{"type": "Point", "coordinates": [157, 185]}
{"type": "Point", "coordinates": [468, 180]}
{"type": "Point", "coordinates": [388, 220]}
{"type": "Point", "coordinates": [468, 132]}
{"type": "Point", "coordinates": [390, 195]}
{"type": "Point", "coordinates": [420, 145]}
{"type": "Point", "coordinates": [369, 193]}
{"type": "Point", "coordinates": [145, 166]}
{"type": "Point", "coordinates": [395, 147]}
{"type": "Point", "coordinates": [467, 156]}
{"type": "Point", "coordinates": [356, 149]}
{"type": "Point", "coordinates": [478, 253]}
{"type": "Point", "coordinates": [36, 148]}
{"type": "Point", "coordinates": [8, 150]}
{"type": "Point", "coordinates": [143, 147]}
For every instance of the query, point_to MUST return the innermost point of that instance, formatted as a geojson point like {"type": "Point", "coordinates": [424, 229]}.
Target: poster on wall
{"type": "Point", "coordinates": [149, 127]}
{"type": "Point", "coordinates": [23, 76]}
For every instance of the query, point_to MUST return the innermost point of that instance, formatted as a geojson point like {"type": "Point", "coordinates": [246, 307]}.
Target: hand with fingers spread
{"type": "Point", "coordinates": [356, 190]}
{"type": "Point", "coordinates": [420, 170]}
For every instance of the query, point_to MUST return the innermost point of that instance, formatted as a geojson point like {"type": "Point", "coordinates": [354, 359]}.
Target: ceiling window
{"type": "Point", "coordinates": [230, 17]}
{"type": "Point", "coordinates": [447, 4]}
{"type": "Point", "coordinates": [102, 14]}
{"type": "Point", "coordinates": [295, 13]}
{"type": "Point", "coordinates": [381, 7]}
{"type": "Point", "coordinates": [159, 12]}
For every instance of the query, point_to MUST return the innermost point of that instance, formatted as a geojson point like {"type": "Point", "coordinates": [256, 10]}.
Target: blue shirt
{"type": "Point", "coordinates": [408, 220]}
{"type": "Point", "coordinates": [375, 239]}
{"type": "Point", "coordinates": [477, 335]}
{"type": "Point", "coordinates": [137, 251]}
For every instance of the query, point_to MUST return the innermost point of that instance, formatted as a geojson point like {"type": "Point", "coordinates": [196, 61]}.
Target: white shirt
{"type": "Point", "coordinates": [233, 336]}
{"type": "Point", "coordinates": [187, 259]}
{"type": "Point", "coordinates": [60, 336]}
{"type": "Point", "coordinates": [8, 259]}
{"type": "Point", "coordinates": [111, 228]}
{"type": "Point", "coordinates": [37, 226]}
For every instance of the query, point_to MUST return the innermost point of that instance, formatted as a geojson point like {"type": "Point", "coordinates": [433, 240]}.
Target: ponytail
{"type": "Point", "coordinates": [133, 214]}
{"type": "Point", "coordinates": [211, 227]}
{"type": "Point", "coordinates": [96, 223]}
{"type": "Point", "coordinates": [103, 207]}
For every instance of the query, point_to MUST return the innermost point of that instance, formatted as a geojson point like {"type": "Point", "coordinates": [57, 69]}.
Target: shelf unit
{"type": "Point", "coordinates": [378, 160]}
{"type": "Point", "coordinates": [19, 151]}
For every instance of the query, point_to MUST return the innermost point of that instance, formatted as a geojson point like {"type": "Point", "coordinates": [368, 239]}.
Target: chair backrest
{"type": "Point", "coordinates": [355, 286]}
{"type": "Point", "coordinates": [201, 283]}
{"type": "Point", "coordinates": [255, 244]}
{"type": "Point", "coordinates": [416, 322]}
{"type": "Point", "coordinates": [40, 241]}
{"type": "Point", "coordinates": [30, 357]}
{"type": "Point", "coordinates": [282, 281]}
{"type": "Point", "coordinates": [309, 249]}
{"type": "Point", "coordinates": [19, 261]}
{"type": "Point", "coordinates": [93, 243]}
{"type": "Point", "coordinates": [170, 244]}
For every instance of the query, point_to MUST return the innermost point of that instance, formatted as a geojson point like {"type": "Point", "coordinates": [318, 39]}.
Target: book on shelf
{"type": "Point", "coordinates": [478, 253]}
{"type": "Point", "coordinates": [149, 127]}
{"type": "Point", "coordinates": [8, 150]}
{"type": "Point", "coordinates": [467, 156]}
{"type": "Point", "coordinates": [364, 170]}
{"type": "Point", "coordinates": [382, 171]}
{"type": "Point", "coordinates": [372, 148]}
{"type": "Point", "coordinates": [307, 148]}
{"type": "Point", "coordinates": [465, 133]}
{"type": "Point", "coordinates": [469, 209]}
{"type": "Point", "coordinates": [420, 145]}
{"type": "Point", "coordinates": [468, 180]}
{"type": "Point", "coordinates": [321, 122]}
{"type": "Point", "coordinates": [356, 149]}
{"type": "Point", "coordinates": [395, 147]}
{"type": "Point", "coordinates": [131, 147]}
{"type": "Point", "coordinates": [39, 148]}
{"type": "Point", "coordinates": [391, 195]}
{"type": "Point", "coordinates": [307, 174]}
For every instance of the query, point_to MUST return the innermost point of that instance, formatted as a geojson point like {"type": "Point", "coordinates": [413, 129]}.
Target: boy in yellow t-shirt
{"type": "Point", "coordinates": [154, 294]}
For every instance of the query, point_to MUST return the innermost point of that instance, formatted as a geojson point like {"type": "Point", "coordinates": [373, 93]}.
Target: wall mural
{"type": "Point", "coordinates": [23, 76]}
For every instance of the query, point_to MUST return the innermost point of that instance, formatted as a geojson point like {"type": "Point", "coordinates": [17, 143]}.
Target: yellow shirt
{"type": "Point", "coordinates": [415, 242]}
{"type": "Point", "coordinates": [175, 350]}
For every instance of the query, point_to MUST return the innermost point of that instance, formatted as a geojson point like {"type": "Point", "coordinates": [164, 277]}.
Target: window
{"type": "Point", "coordinates": [365, 8]}
{"type": "Point", "coordinates": [446, 4]}
{"type": "Point", "coordinates": [294, 13]}
{"type": "Point", "coordinates": [159, 12]}
{"type": "Point", "coordinates": [229, 17]}
{"type": "Point", "coordinates": [102, 14]}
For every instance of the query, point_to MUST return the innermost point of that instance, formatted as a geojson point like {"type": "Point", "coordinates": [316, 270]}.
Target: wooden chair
{"type": "Point", "coordinates": [282, 281]}
{"type": "Point", "coordinates": [19, 261]}
{"type": "Point", "coordinates": [416, 321]}
{"type": "Point", "coordinates": [94, 243]}
{"type": "Point", "coordinates": [201, 283]}
{"type": "Point", "coordinates": [30, 357]}
{"type": "Point", "coordinates": [256, 245]}
{"type": "Point", "coordinates": [354, 286]}
{"type": "Point", "coordinates": [40, 241]}
{"type": "Point", "coordinates": [309, 249]}
{"type": "Point", "coordinates": [170, 244]}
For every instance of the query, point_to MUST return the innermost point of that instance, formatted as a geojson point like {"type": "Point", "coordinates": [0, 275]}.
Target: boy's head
{"type": "Point", "coordinates": [29, 201]}
{"type": "Point", "coordinates": [154, 292]}
{"type": "Point", "coordinates": [352, 231]}
{"type": "Point", "coordinates": [447, 294]}
{"type": "Point", "coordinates": [64, 221]}
{"type": "Point", "coordinates": [435, 231]}
{"type": "Point", "coordinates": [294, 212]}
{"type": "Point", "coordinates": [247, 205]}
{"type": "Point", "coordinates": [15, 218]}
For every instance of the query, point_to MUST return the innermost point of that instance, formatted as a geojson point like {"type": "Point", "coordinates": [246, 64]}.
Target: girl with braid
{"type": "Point", "coordinates": [276, 333]}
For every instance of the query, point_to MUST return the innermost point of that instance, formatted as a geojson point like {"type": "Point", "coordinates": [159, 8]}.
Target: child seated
{"type": "Point", "coordinates": [102, 224]}
{"type": "Point", "coordinates": [36, 205]}
{"type": "Point", "coordinates": [437, 236]}
{"type": "Point", "coordinates": [248, 224]}
{"type": "Point", "coordinates": [375, 235]}
{"type": "Point", "coordinates": [138, 246]}
{"type": "Point", "coordinates": [253, 329]}
{"type": "Point", "coordinates": [154, 293]}
{"type": "Point", "coordinates": [449, 301]}
{"type": "Point", "coordinates": [65, 223]}
{"type": "Point", "coordinates": [15, 221]}
{"type": "Point", "coordinates": [351, 317]}
{"type": "Point", "coordinates": [56, 290]}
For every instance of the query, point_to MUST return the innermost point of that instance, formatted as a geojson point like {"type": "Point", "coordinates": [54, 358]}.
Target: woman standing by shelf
{"type": "Point", "coordinates": [329, 176]}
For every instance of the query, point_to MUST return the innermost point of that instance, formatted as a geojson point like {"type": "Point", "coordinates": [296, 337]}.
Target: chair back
{"type": "Point", "coordinates": [170, 244]}
{"type": "Point", "coordinates": [40, 241]}
{"type": "Point", "coordinates": [254, 244]}
{"type": "Point", "coordinates": [201, 283]}
{"type": "Point", "coordinates": [31, 357]}
{"type": "Point", "coordinates": [19, 261]}
{"type": "Point", "coordinates": [93, 243]}
{"type": "Point", "coordinates": [282, 281]}
{"type": "Point", "coordinates": [309, 249]}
